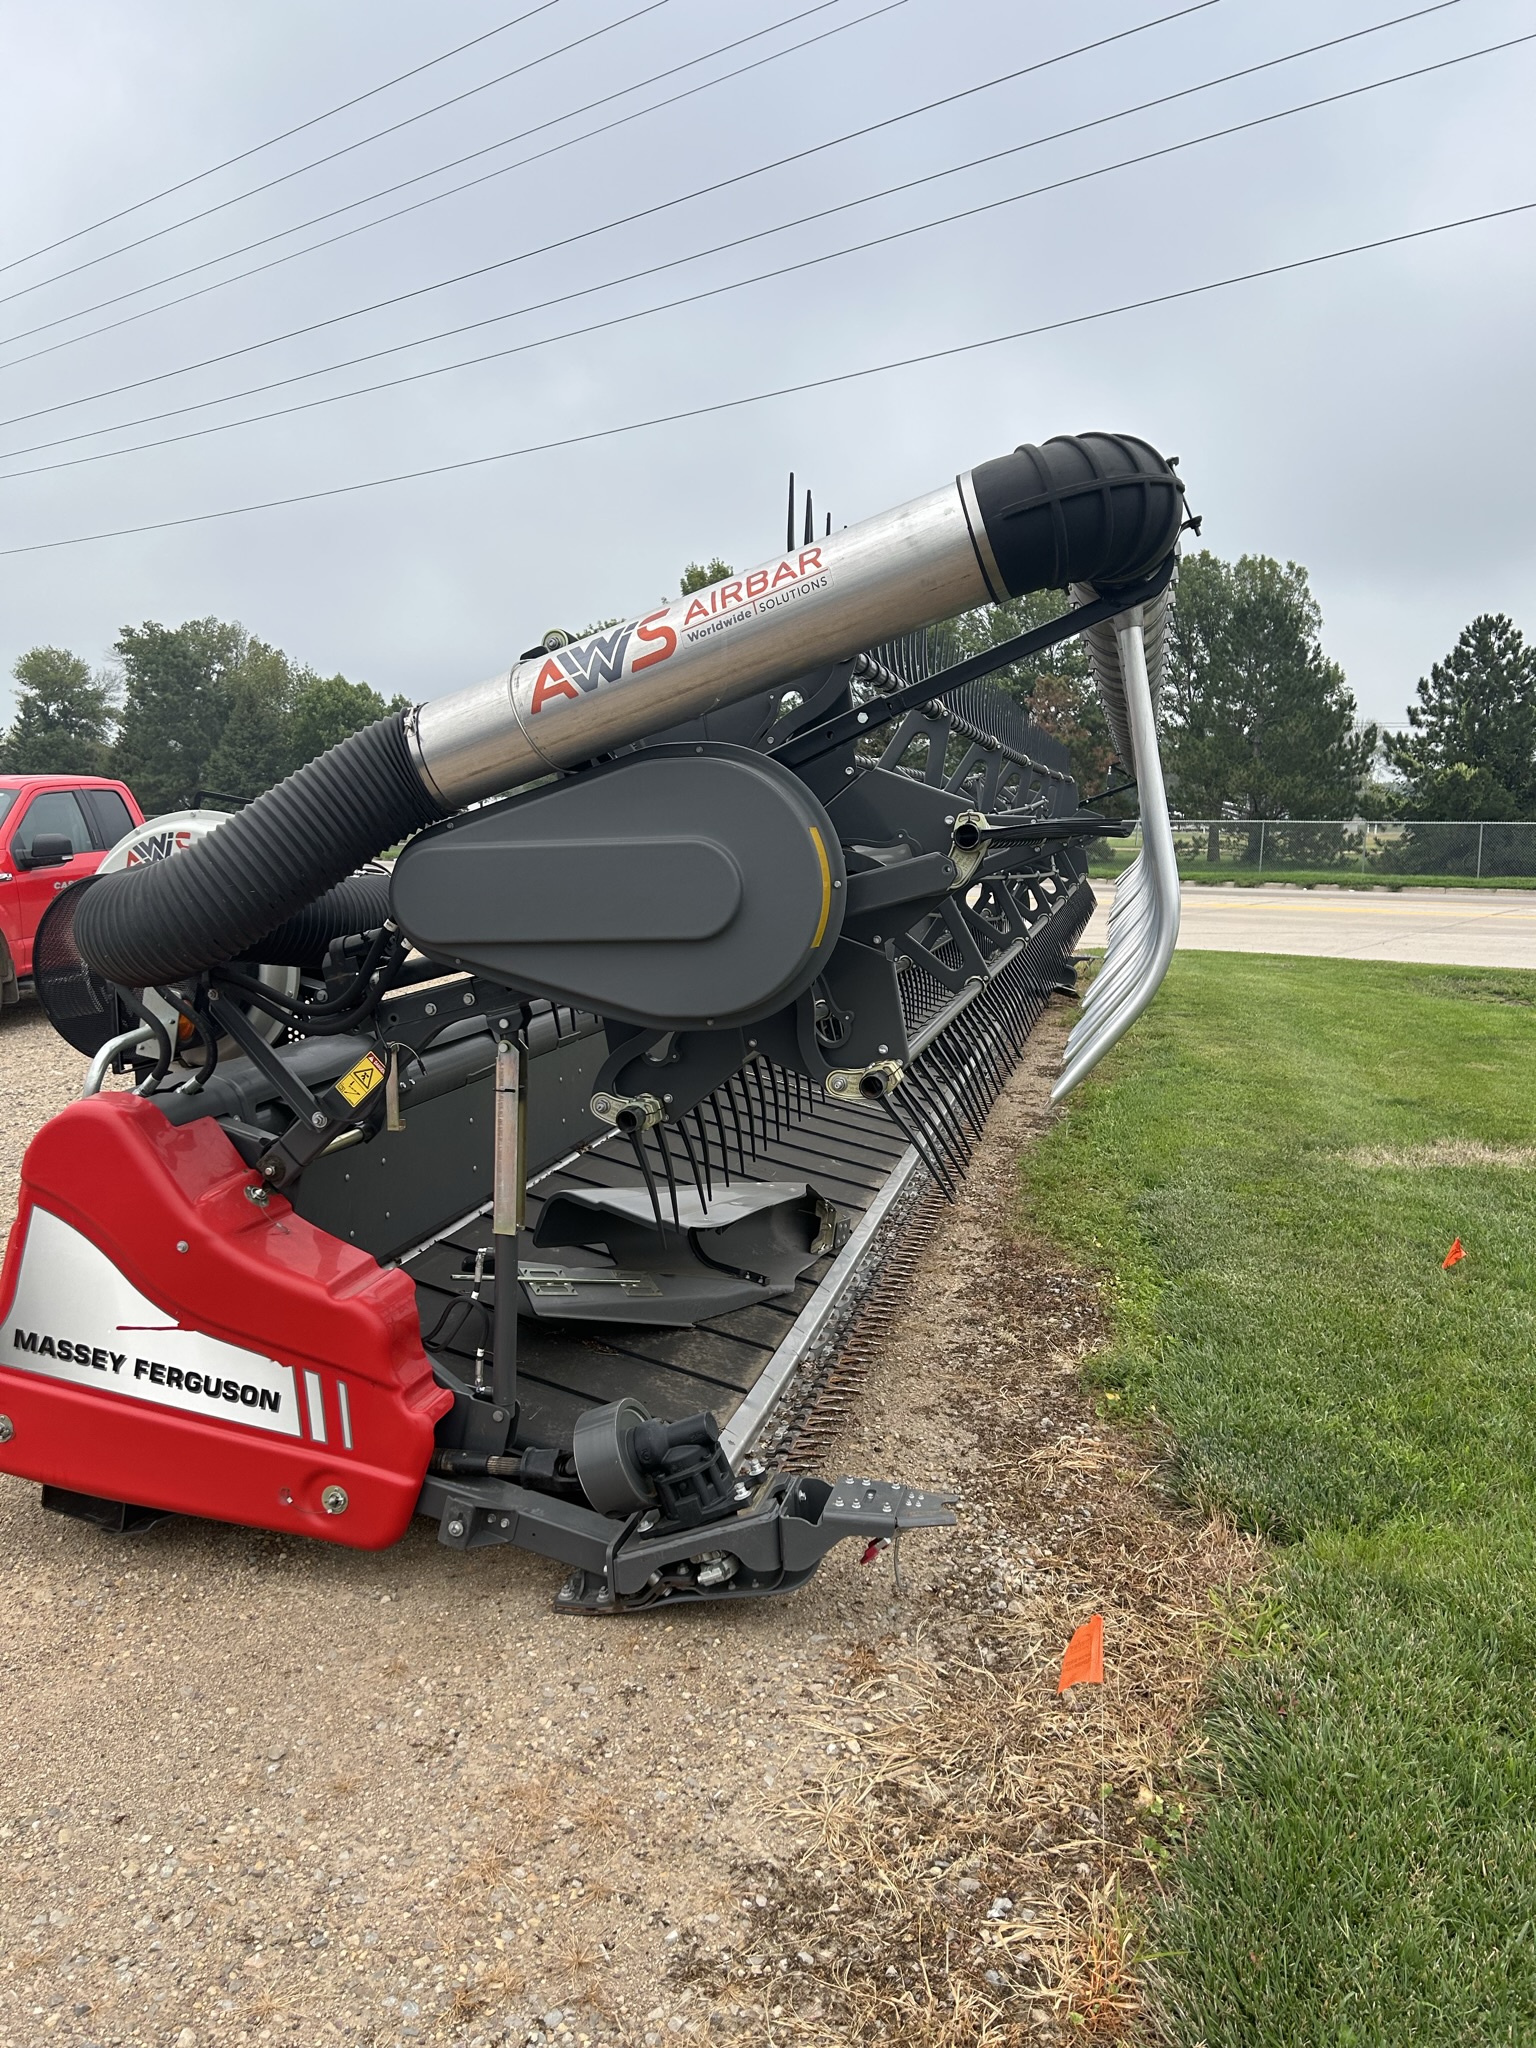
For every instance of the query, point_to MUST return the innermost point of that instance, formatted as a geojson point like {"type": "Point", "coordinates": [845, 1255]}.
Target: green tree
{"type": "Point", "coordinates": [1056, 688]}
{"type": "Point", "coordinates": [325, 709]}
{"type": "Point", "coordinates": [63, 716]}
{"type": "Point", "coordinates": [1470, 747]}
{"type": "Point", "coordinates": [175, 706]}
{"type": "Point", "coordinates": [1257, 721]}
{"type": "Point", "coordinates": [254, 747]}
{"type": "Point", "coordinates": [699, 575]}
{"type": "Point", "coordinates": [209, 707]}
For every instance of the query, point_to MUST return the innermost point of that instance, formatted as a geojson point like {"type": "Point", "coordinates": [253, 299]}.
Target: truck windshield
{"type": "Point", "coordinates": [7, 798]}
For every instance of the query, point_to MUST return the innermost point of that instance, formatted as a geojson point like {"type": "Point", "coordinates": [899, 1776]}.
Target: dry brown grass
{"type": "Point", "coordinates": [1442, 1152]}
{"type": "Point", "coordinates": [967, 1872]}
{"type": "Point", "coordinates": [487, 1988]}
{"type": "Point", "coordinates": [978, 1785]}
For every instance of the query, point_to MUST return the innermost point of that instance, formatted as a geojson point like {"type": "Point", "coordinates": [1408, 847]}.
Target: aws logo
{"type": "Point", "coordinates": [578, 670]}
{"type": "Point", "coordinates": [157, 846]}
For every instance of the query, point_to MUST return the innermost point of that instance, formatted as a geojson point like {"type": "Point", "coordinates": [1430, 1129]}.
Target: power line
{"type": "Point", "coordinates": [374, 355]}
{"type": "Point", "coordinates": [523, 135]}
{"type": "Point", "coordinates": [314, 164]}
{"type": "Point", "coordinates": [504, 170]}
{"type": "Point", "coordinates": [166, 191]}
{"type": "Point", "coordinates": [760, 277]}
{"type": "Point", "coordinates": [782, 391]}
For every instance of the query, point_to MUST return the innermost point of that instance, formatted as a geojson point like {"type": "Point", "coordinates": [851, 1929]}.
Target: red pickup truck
{"type": "Point", "coordinates": [54, 829]}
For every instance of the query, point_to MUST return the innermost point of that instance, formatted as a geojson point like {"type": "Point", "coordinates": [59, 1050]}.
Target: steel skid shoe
{"type": "Point", "coordinates": [665, 1519]}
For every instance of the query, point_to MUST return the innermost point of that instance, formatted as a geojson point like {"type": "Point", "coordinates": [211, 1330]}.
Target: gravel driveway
{"type": "Point", "coordinates": [253, 1790]}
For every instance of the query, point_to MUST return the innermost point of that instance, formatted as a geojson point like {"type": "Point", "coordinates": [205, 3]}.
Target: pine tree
{"type": "Point", "coordinates": [1257, 721]}
{"type": "Point", "coordinates": [63, 716]}
{"type": "Point", "coordinates": [1470, 748]}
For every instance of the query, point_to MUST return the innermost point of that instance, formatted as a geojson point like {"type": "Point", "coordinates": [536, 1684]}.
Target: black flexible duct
{"type": "Point", "coordinates": [1104, 509]}
{"type": "Point", "coordinates": [359, 904]}
{"type": "Point", "coordinates": [213, 902]}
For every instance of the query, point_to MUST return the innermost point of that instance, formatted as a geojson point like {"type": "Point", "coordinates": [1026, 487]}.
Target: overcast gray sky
{"type": "Point", "coordinates": [1370, 418]}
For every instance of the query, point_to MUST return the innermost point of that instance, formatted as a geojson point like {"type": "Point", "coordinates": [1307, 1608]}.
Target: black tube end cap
{"type": "Point", "coordinates": [1104, 509]}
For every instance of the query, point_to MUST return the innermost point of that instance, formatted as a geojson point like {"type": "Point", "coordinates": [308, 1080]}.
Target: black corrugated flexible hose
{"type": "Point", "coordinates": [258, 875]}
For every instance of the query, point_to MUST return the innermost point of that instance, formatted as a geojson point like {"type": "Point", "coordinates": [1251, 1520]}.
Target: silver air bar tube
{"type": "Point", "coordinates": [813, 605]}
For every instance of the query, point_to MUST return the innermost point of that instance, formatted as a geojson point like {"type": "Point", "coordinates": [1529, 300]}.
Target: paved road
{"type": "Point", "coordinates": [1451, 927]}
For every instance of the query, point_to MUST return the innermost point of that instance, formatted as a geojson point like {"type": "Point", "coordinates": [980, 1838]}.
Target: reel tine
{"type": "Point", "coordinates": [989, 1053]}
{"type": "Point", "coordinates": [968, 1064]}
{"type": "Point", "coordinates": [958, 1074]}
{"type": "Point", "coordinates": [682, 1132]}
{"type": "Point", "coordinates": [943, 1072]}
{"type": "Point", "coordinates": [730, 1096]}
{"type": "Point", "coordinates": [666, 1160]}
{"type": "Point", "coordinates": [700, 1127]}
{"type": "Point", "coordinates": [752, 1081]}
{"type": "Point", "coordinates": [919, 1144]}
{"type": "Point", "coordinates": [637, 1141]}
{"type": "Point", "coordinates": [747, 1105]}
{"type": "Point", "coordinates": [713, 1099]}
{"type": "Point", "coordinates": [755, 1069]}
{"type": "Point", "coordinates": [944, 1125]}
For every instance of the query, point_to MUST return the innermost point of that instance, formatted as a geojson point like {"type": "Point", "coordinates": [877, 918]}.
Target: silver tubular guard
{"type": "Point", "coordinates": [1127, 657]}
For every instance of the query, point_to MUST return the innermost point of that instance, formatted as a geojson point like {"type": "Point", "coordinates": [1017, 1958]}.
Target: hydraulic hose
{"type": "Point", "coordinates": [1104, 509]}
{"type": "Point", "coordinates": [213, 902]}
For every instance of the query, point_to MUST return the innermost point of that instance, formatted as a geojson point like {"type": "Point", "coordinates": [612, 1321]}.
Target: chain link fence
{"type": "Point", "coordinates": [1340, 849]}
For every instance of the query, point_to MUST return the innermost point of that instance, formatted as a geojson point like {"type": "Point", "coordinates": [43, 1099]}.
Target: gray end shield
{"type": "Point", "coordinates": [682, 887]}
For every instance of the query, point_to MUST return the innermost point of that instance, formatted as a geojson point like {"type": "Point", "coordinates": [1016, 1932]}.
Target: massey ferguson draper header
{"type": "Point", "coordinates": [529, 1182]}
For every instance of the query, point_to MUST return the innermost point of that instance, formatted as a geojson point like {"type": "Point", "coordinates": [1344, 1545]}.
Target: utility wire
{"type": "Point", "coordinates": [331, 156]}
{"type": "Point", "coordinates": [740, 284]}
{"type": "Point", "coordinates": [272, 141]}
{"type": "Point", "coordinates": [723, 405]}
{"type": "Point", "coordinates": [503, 170]}
{"type": "Point", "coordinates": [668, 71]}
{"type": "Point", "coordinates": [673, 263]}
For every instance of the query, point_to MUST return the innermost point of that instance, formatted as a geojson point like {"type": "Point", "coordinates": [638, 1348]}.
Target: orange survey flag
{"type": "Point", "coordinates": [1454, 1256]}
{"type": "Point", "coordinates": [1084, 1662]}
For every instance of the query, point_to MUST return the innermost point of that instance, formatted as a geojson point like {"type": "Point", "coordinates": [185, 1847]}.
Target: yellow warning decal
{"type": "Point", "coordinates": [361, 1080]}
{"type": "Point", "coordinates": [826, 888]}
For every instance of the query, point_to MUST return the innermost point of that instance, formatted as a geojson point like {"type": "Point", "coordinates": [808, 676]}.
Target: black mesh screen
{"type": "Point", "coordinates": [79, 1004]}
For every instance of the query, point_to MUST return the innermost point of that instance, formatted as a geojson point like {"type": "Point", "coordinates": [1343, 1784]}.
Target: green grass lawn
{"type": "Point", "coordinates": [1252, 1169]}
{"type": "Point", "coordinates": [1243, 876]}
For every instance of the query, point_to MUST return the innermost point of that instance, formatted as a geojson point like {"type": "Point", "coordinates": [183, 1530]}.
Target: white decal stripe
{"type": "Point", "coordinates": [314, 1394]}
{"type": "Point", "coordinates": [345, 1406]}
{"type": "Point", "coordinates": [75, 1317]}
